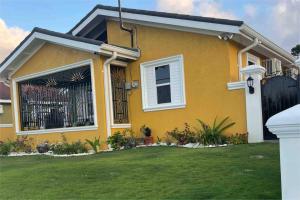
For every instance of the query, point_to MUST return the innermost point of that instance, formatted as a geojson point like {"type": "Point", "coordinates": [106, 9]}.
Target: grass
{"type": "Point", "coordinates": [234, 172]}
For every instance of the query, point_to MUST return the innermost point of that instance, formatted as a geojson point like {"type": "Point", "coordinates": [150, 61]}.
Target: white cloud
{"type": "Point", "coordinates": [211, 8]}
{"type": "Point", "coordinates": [278, 20]}
{"type": "Point", "coordinates": [206, 8]}
{"type": "Point", "coordinates": [282, 23]}
{"type": "Point", "coordinates": [10, 37]}
{"type": "Point", "coordinates": [250, 10]}
{"type": "Point", "coordinates": [176, 6]}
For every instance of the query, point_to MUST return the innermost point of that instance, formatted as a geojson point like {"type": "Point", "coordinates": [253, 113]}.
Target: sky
{"type": "Point", "coordinates": [279, 20]}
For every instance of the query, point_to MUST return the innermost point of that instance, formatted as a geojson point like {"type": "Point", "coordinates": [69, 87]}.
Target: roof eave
{"type": "Point", "coordinates": [129, 16]}
{"type": "Point", "coordinates": [37, 39]}
{"type": "Point", "coordinates": [266, 43]}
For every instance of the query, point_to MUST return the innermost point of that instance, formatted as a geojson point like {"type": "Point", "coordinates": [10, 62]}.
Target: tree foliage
{"type": "Point", "coordinates": [295, 51]}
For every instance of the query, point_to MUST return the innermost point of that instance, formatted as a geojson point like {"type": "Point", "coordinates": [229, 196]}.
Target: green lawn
{"type": "Point", "coordinates": [234, 172]}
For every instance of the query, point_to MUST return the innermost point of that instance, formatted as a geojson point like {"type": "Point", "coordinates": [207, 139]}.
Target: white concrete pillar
{"type": "Point", "coordinates": [253, 103]}
{"type": "Point", "coordinates": [286, 125]}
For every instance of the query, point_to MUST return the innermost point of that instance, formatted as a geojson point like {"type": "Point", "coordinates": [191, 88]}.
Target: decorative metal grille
{"type": "Point", "coordinates": [63, 99]}
{"type": "Point", "coordinates": [119, 94]}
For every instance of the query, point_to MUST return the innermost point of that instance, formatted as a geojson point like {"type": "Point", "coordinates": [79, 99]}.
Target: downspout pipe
{"type": "Point", "coordinates": [106, 91]}
{"type": "Point", "coordinates": [240, 53]}
{"type": "Point", "coordinates": [122, 27]}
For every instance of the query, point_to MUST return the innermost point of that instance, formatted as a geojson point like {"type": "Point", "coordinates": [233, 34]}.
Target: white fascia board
{"type": "Point", "coordinates": [52, 39]}
{"type": "Point", "coordinates": [266, 42]}
{"type": "Point", "coordinates": [102, 49]}
{"type": "Point", "coordinates": [159, 20]}
{"type": "Point", "coordinates": [67, 42]}
{"type": "Point", "coordinates": [16, 54]}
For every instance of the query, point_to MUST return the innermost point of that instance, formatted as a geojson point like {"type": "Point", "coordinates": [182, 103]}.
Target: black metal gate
{"type": "Point", "coordinates": [119, 94]}
{"type": "Point", "coordinates": [278, 93]}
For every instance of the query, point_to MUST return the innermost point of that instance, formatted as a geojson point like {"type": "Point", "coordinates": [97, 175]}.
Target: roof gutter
{"type": "Point", "coordinates": [122, 52]}
{"type": "Point", "coordinates": [240, 53]}
{"type": "Point", "coordinates": [267, 44]}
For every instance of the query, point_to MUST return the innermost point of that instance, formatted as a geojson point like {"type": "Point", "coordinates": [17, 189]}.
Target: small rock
{"type": "Point", "coordinates": [257, 156]}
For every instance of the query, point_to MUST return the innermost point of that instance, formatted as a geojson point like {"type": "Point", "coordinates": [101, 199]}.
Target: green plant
{"type": "Point", "coordinates": [130, 139]}
{"type": "Point", "coordinates": [125, 139]}
{"type": "Point", "coordinates": [146, 130]}
{"type": "Point", "coordinates": [183, 137]}
{"type": "Point", "coordinates": [68, 148]}
{"type": "Point", "coordinates": [158, 140]}
{"type": "Point", "coordinates": [5, 148]}
{"type": "Point", "coordinates": [238, 138]}
{"type": "Point", "coordinates": [213, 134]}
{"type": "Point", "coordinates": [116, 141]}
{"type": "Point", "coordinates": [168, 140]}
{"type": "Point", "coordinates": [94, 144]}
{"type": "Point", "coordinates": [22, 144]}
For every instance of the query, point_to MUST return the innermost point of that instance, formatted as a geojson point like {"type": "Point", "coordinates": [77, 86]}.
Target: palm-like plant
{"type": "Point", "coordinates": [213, 134]}
{"type": "Point", "coordinates": [94, 144]}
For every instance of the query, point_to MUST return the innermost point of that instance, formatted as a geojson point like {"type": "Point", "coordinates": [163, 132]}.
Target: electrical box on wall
{"type": "Point", "coordinates": [1, 109]}
{"type": "Point", "coordinates": [128, 86]}
{"type": "Point", "coordinates": [135, 84]}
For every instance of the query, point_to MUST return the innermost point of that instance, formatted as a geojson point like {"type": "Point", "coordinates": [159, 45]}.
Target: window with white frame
{"type": "Point", "coordinates": [252, 59]}
{"type": "Point", "coordinates": [62, 99]}
{"type": "Point", "coordinates": [163, 84]}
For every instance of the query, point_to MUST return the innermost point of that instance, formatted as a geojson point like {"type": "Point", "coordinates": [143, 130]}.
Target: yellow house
{"type": "Point", "coordinates": [158, 69]}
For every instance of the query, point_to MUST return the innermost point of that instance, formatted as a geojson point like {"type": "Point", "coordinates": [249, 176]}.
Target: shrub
{"type": "Point", "coordinates": [125, 139]}
{"type": "Point", "coordinates": [130, 139]}
{"type": "Point", "coordinates": [94, 144]}
{"type": "Point", "coordinates": [22, 144]}
{"type": "Point", "coordinates": [183, 137]}
{"type": "Point", "coordinates": [5, 148]}
{"type": "Point", "coordinates": [168, 139]}
{"type": "Point", "coordinates": [213, 134]}
{"type": "Point", "coordinates": [66, 148]}
{"type": "Point", "coordinates": [238, 138]}
{"type": "Point", "coordinates": [116, 141]}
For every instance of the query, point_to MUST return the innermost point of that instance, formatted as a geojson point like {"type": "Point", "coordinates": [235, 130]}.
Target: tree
{"type": "Point", "coordinates": [296, 50]}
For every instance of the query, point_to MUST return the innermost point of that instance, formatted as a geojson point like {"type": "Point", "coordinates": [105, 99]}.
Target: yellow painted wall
{"type": "Point", "coordinates": [51, 56]}
{"type": "Point", "coordinates": [6, 133]}
{"type": "Point", "coordinates": [207, 64]}
{"type": "Point", "coordinates": [6, 116]}
{"type": "Point", "coordinates": [233, 57]}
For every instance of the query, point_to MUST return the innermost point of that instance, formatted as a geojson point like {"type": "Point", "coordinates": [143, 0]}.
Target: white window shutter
{"type": "Point", "coordinates": [151, 97]}
{"type": "Point", "coordinates": [176, 83]}
{"type": "Point", "coordinates": [149, 87]}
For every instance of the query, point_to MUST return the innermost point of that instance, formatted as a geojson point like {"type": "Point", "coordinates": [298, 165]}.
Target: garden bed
{"type": "Point", "coordinates": [189, 145]}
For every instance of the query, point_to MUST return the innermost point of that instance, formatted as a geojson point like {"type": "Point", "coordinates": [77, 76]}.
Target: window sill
{"type": "Point", "coordinates": [120, 126]}
{"type": "Point", "coordinates": [57, 130]}
{"type": "Point", "coordinates": [166, 107]}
